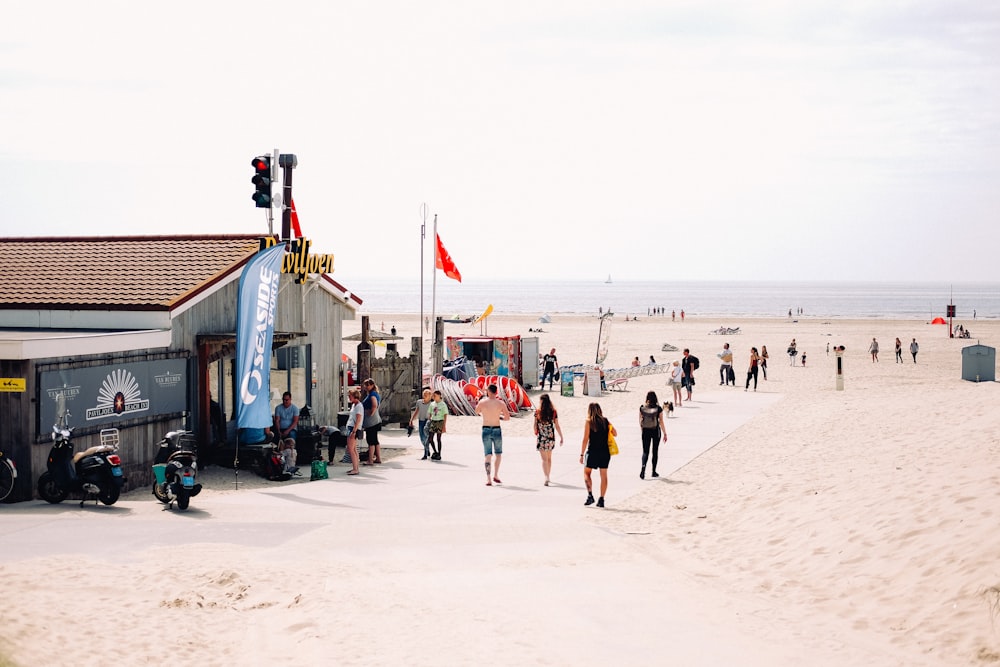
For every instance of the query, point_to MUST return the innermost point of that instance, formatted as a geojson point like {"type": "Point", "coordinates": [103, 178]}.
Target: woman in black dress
{"type": "Point", "coordinates": [594, 452]}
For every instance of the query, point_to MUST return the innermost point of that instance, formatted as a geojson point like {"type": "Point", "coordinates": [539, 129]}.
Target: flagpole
{"type": "Point", "coordinates": [420, 324]}
{"type": "Point", "coordinates": [434, 293]}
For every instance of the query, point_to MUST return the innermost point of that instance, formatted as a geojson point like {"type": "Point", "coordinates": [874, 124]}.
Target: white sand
{"type": "Point", "coordinates": [824, 528]}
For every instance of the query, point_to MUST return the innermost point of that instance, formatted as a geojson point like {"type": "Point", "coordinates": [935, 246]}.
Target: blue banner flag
{"type": "Point", "coordinates": [258, 302]}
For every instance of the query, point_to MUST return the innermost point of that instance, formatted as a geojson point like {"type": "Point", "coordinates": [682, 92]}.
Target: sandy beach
{"type": "Point", "coordinates": [793, 525]}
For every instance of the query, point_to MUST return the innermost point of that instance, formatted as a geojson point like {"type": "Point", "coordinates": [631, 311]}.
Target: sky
{"type": "Point", "coordinates": [669, 140]}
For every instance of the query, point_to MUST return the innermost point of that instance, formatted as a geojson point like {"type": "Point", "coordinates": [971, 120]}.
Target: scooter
{"type": "Point", "coordinates": [175, 468]}
{"type": "Point", "coordinates": [94, 472]}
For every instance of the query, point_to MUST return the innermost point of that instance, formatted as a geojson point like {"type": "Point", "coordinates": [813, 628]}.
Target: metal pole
{"type": "Point", "coordinates": [274, 178]}
{"type": "Point", "coordinates": [434, 341]}
{"type": "Point", "coordinates": [420, 324]}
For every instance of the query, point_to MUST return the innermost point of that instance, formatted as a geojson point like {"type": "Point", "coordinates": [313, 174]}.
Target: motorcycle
{"type": "Point", "coordinates": [96, 471]}
{"type": "Point", "coordinates": [175, 468]}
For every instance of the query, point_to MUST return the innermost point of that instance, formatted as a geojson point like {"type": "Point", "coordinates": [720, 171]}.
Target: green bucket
{"type": "Point", "coordinates": [160, 471]}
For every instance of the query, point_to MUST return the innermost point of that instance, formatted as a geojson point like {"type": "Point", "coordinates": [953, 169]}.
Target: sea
{"type": "Point", "coordinates": [720, 299]}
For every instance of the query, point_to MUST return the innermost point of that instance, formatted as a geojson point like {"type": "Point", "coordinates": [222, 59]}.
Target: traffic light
{"type": "Point", "coordinates": [262, 179]}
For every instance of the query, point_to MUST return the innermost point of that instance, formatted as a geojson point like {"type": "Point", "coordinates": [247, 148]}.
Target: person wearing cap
{"type": "Point", "coordinates": [674, 381]}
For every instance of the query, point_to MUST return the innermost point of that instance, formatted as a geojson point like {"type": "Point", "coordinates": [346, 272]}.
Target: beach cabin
{"type": "Point", "coordinates": [508, 356]}
{"type": "Point", "coordinates": [139, 333]}
{"type": "Point", "coordinates": [979, 363]}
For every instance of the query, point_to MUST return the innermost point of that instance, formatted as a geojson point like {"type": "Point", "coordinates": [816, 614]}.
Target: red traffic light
{"type": "Point", "coordinates": [262, 179]}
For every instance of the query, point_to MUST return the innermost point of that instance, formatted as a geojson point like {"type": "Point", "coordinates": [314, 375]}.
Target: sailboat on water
{"type": "Point", "coordinates": [608, 281]}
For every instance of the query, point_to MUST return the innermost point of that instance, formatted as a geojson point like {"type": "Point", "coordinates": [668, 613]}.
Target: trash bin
{"type": "Point", "coordinates": [979, 363]}
{"type": "Point", "coordinates": [337, 438]}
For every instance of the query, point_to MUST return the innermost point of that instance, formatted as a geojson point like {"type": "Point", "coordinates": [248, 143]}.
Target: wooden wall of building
{"type": "Point", "coordinates": [15, 420]}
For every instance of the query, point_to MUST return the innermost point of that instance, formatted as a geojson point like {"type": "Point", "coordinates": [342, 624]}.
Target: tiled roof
{"type": "Point", "coordinates": [116, 273]}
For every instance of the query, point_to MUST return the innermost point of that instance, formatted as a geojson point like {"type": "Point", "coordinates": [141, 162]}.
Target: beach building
{"type": "Point", "coordinates": [139, 333]}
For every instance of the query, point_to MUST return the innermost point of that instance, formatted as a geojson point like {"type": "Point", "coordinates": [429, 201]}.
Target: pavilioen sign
{"type": "Point", "coordinates": [103, 394]}
{"type": "Point", "coordinates": [298, 260]}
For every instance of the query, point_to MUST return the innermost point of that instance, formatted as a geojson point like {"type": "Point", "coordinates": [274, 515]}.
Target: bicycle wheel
{"type": "Point", "coordinates": [7, 475]}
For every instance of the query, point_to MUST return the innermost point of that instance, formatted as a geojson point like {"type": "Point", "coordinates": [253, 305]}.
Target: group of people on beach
{"type": "Point", "coordinates": [758, 364]}
{"type": "Point", "coordinates": [596, 448]}
{"type": "Point", "coordinates": [914, 348]}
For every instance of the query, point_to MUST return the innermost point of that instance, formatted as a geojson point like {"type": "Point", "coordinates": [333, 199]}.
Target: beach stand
{"type": "Point", "coordinates": [979, 363]}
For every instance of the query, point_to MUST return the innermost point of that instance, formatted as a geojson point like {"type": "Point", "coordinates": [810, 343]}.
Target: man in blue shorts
{"type": "Point", "coordinates": [493, 411]}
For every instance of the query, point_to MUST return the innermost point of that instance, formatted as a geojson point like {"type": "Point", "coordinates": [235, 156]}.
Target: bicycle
{"type": "Point", "coordinates": [8, 474]}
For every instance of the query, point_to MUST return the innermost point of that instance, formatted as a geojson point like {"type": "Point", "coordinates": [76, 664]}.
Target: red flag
{"type": "Point", "coordinates": [295, 219]}
{"type": "Point", "coordinates": [443, 261]}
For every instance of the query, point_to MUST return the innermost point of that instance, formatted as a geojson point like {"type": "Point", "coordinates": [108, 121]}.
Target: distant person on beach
{"type": "Point", "coordinates": [899, 351]}
{"type": "Point", "coordinates": [635, 362]}
{"type": "Point", "coordinates": [682, 314]}
{"type": "Point", "coordinates": [354, 420]}
{"type": "Point", "coordinates": [803, 357]}
{"type": "Point", "coordinates": [594, 452]}
{"type": "Point", "coordinates": [727, 365]}
{"type": "Point", "coordinates": [689, 364]}
{"type": "Point", "coordinates": [673, 315]}
{"type": "Point", "coordinates": [493, 411]}
{"type": "Point", "coordinates": [420, 411]}
{"type": "Point", "coordinates": [286, 423]}
{"type": "Point", "coordinates": [914, 348]}
{"type": "Point", "coordinates": [546, 427]}
{"type": "Point", "coordinates": [437, 421]}
{"type": "Point", "coordinates": [674, 381]}
{"type": "Point", "coordinates": [752, 370]}
{"type": "Point", "coordinates": [763, 359]}
{"type": "Point", "coordinates": [651, 423]}
{"type": "Point", "coordinates": [549, 364]}
{"type": "Point", "coordinates": [873, 350]}
{"type": "Point", "coordinates": [652, 361]}
{"type": "Point", "coordinates": [792, 351]}
{"type": "Point", "coordinates": [373, 422]}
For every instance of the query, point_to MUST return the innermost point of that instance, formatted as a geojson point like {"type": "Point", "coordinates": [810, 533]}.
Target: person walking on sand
{"type": "Point", "coordinates": [437, 419]}
{"type": "Point", "coordinates": [651, 423]}
{"type": "Point", "coordinates": [674, 381]}
{"type": "Point", "coordinates": [372, 423]}
{"type": "Point", "coordinates": [420, 410]}
{"type": "Point", "coordinates": [689, 365]}
{"type": "Point", "coordinates": [763, 360]}
{"type": "Point", "coordinates": [752, 371]}
{"type": "Point", "coordinates": [594, 451]}
{"type": "Point", "coordinates": [546, 427]}
{"type": "Point", "coordinates": [914, 348]}
{"type": "Point", "coordinates": [493, 411]}
{"type": "Point", "coordinates": [549, 368]}
{"type": "Point", "coordinates": [792, 351]}
{"type": "Point", "coordinates": [354, 420]}
{"type": "Point", "coordinates": [899, 351]}
{"type": "Point", "coordinates": [873, 350]}
{"type": "Point", "coordinates": [727, 365]}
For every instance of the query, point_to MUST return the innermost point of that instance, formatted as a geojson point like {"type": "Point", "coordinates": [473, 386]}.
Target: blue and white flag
{"type": "Point", "coordinates": [258, 302]}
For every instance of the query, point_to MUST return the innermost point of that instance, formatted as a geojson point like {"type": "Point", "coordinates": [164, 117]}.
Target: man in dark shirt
{"type": "Point", "coordinates": [689, 364]}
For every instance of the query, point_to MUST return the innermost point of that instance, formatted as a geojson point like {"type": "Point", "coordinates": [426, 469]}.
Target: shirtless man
{"type": "Point", "coordinates": [493, 411]}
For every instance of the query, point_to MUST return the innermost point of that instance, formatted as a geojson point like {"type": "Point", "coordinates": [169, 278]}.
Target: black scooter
{"type": "Point", "coordinates": [175, 468]}
{"type": "Point", "coordinates": [94, 472]}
